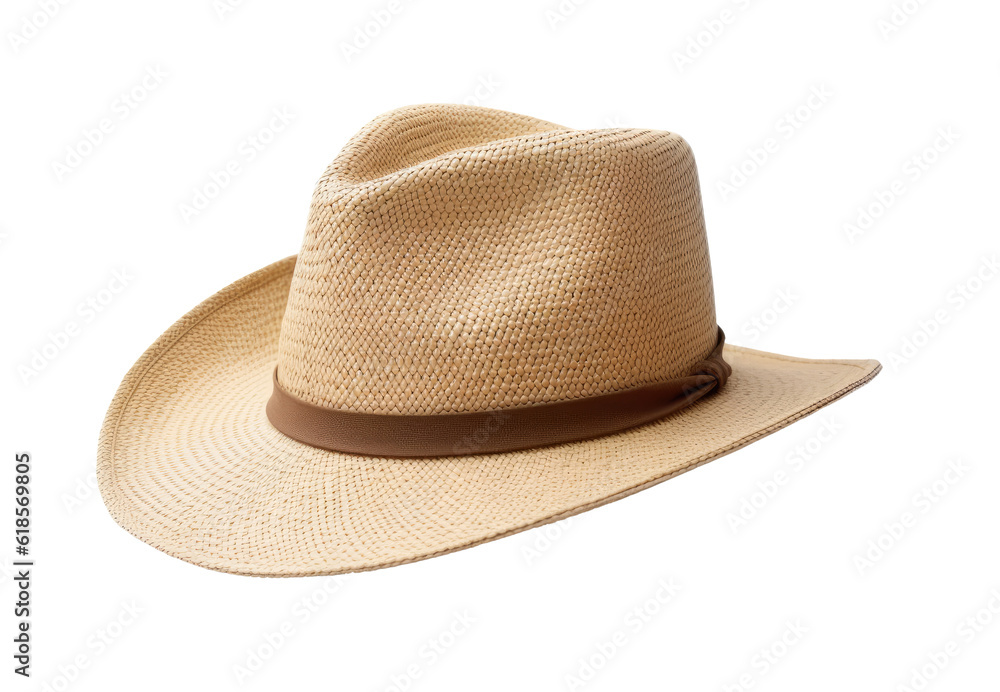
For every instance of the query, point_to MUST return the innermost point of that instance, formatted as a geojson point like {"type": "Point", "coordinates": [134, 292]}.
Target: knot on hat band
{"type": "Point", "coordinates": [715, 366]}
{"type": "Point", "coordinates": [496, 431]}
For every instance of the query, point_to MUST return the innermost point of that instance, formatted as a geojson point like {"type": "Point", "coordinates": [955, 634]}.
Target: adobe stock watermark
{"type": "Point", "coordinates": [96, 645]}
{"type": "Point", "coordinates": [914, 168]}
{"type": "Point", "coordinates": [121, 108]}
{"type": "Point", "coordinates": [767, 657]}
{"type": "Point", "coordinates": [486, 87]}
{"type": "Point", "coordinates": [967, 631]}
{"type": "Point", "coordinates": [270, 642]}
{"type": "Point", "coordinates": [8, 570]}
{"type": "Point", "coordinates": [81, 493]}
{"type": "Point", "coordinates": [786, 127]}
{"type": "Point", "coordinates": [542, 539]}
{"type": "Point", "coordinates": [956, 299]}
{"type": "Point", "coordinates": [560, 13]}
{"type": "Point", "coordinates": [366, 32]}
{"type": "Point", "coordinates": [58, 340]}
{"type": "Point", "coordinates": [752, 503]}
{"type": "Point", "coordinates": [711, 30]}
{"type": "Point", "coordinates": [756, 326]}
{"type": "Point", "coordinates": [224, 8]}
{"type": "Point", "coordinates": [430, 652]}
{"type": "Point", "coordinates": [476, 441]}
{"type": "Point", "coordinates": [921, 503]}
{"type": "Point", "coordinates": [635, 621]}
{"type": "Point", "coordinates": [247, 151]}
{"type": "Point", "coordinates": [31, 25]}
{"type": "Point", "coordinates": [899, 16]}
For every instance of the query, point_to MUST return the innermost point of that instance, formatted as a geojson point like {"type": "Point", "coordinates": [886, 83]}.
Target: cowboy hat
{"type": "Point", "coordinates": [494, 322]}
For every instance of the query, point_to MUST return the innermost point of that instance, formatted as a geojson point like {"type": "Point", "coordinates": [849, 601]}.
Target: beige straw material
{"type": "Point", "coordinates": [189, 463]}
{"type": "Point", "coordinates": [467, 259]}
{"type": "Point", "coordinates": [456, 259]}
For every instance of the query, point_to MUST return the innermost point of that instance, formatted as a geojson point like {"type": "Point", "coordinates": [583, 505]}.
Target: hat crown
{"type": "Point", "coordinates": [461, 259]}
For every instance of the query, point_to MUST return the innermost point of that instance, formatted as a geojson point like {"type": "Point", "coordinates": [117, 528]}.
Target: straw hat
{"type": "Point", "coordinates": [495, 322]}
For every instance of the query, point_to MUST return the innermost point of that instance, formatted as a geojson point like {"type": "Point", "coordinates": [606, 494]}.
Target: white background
{"type": "Point", "coordinates": [781, 257]}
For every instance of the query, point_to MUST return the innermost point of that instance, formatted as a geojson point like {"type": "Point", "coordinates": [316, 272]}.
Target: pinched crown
{"type": "Point", "coordinates": [461, 259]}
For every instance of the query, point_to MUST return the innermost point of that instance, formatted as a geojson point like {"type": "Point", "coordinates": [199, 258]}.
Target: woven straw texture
{"type": "Point", "coordinates": [456, 259]}
{"type": "Point", "coordinates": [467, 259]}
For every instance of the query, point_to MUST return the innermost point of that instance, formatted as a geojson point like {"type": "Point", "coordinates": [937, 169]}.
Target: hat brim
{"type": "Point", "coordinates": [189, 463]}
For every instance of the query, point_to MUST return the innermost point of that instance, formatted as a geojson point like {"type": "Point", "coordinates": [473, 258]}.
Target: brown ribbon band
{"type": "Point", "coordinates": [483, 432]}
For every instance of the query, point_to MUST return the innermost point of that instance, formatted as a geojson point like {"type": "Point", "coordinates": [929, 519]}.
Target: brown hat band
{"type": "Point", "coordinates": [485, 432]}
